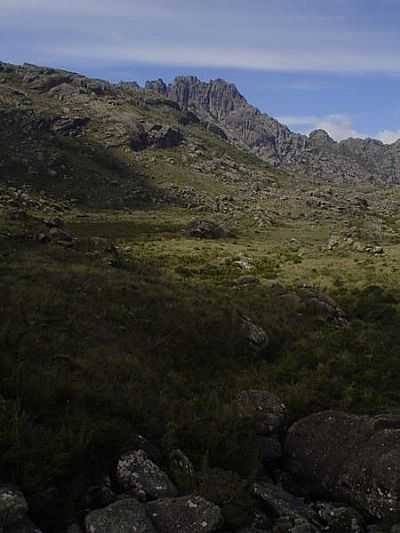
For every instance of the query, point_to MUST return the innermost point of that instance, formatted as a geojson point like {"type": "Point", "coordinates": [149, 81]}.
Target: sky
{"type": "Point", "coordinates": [331, 64]}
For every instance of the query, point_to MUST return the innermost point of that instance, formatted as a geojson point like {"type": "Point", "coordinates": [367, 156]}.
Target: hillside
{"type": "Point", "coordinates": [188, 329]}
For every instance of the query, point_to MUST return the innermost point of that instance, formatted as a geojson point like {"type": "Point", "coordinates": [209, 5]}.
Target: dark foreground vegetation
{"type": "Point", "coordinates": [97, 348]}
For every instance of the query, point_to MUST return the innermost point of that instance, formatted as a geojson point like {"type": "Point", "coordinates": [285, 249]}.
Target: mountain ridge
{"type": "Point", "coordinates": [350, 160]}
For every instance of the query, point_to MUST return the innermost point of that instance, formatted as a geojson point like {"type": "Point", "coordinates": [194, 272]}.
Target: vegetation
{"type": "Point", "coordinates": [95, 351]}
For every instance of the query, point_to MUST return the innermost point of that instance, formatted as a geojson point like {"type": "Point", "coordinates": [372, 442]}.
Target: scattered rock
{"type": "Point", "coordinates": [207, 229]}
{"type": "Point", "coordinates": [255, 337]}
{"type": "Point", "coordinates": [13, 506]}
{"type": "Point", "coordinates": [124, 516]}
{"type": "Point", "coordinates": [182, 471]}
{"type": "Point", "coordinates": [266, 410]}
{"type": "Point", "coordinates": [339, 519]}
{"type": "Point", "coordinates": [187, 514]}
{"type": "Point", "coordinates": [142, 478]}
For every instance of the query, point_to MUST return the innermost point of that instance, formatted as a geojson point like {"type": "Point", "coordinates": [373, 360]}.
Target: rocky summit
{"type": "Point", "coordinates": [348, 161]}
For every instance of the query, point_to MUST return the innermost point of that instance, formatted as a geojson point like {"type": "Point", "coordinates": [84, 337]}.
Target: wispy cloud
{"type": "Point", "coordinates": [271, 36]}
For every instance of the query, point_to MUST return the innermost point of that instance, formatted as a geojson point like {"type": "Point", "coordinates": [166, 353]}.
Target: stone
{"type": "Point", "coordinates": [142, 478]}
{"type": "Point", "coordinates": [164, 136]}
{"type": "Point", "coordinates": [338, 518]}
{"type": "Point", "coordinates": [124, 516]}
{"type": "Point", "coordinates": [255, 338]}
{"type": "Point", "coordinates": [266, 411]}
{"type": "Point", "coordinates": [13, 505]}
{"type": "Point", "coordinates": [182, 471]}
{"type": "Point", "coordinates": [348, 457]}
{"type": "Point", "coordinates": [206, 229]}
{"type": "Point", "coordinates": [187, 514]}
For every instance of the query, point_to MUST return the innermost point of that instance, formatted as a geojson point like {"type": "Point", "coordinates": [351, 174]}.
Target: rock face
{"type": "Point", "coordinates": [125, 516]}
{"type": "Point", "coordinates": [188, 514]}
{"type": "Point", "coordinates": [220, 103]}
{"type": "Point", "coordinates": [353, 458]}
{"type": "Point", "coordinates": [143, 479]}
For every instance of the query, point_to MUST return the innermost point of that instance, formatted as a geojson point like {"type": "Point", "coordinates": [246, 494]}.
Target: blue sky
{"type": "Point", "coordinates": [312, 63]}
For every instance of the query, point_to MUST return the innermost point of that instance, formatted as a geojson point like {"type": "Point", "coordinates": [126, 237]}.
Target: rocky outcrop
{"type": "Point", "coordinates": [353, 458]}
{"type": "Point", "coordinates": [220, 104]}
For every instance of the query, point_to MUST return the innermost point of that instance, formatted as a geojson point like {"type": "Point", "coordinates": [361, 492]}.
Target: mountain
{"type": "Point", "coordinates": [352, 160]}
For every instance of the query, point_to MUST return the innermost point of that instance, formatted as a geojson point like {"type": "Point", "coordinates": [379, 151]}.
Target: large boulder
{"type": "Point", "coordinates": [349, 457]}
{"type": "Point", "coordinates": [124, 516]}
{"type": "Point", "coordinates": [137, 474]}
{"type": "Point", "coordinates": [13, 506]}
{"type": "Point", "coordinates": [254, 336]}
{"type": "Point", "coordinates": [265, 410]}
{"type": "Point", "coordinates": [164, 136]}
{"type": "Point", "coordinates": [187, 514]}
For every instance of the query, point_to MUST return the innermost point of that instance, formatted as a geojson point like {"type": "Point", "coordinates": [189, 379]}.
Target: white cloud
{"type": "Point", "coordinates": [388, 136]}
{"type": "Point", "coordinates": [274, 35]}
{"type": "Point", "coordinates": [257, 59]}
{"type": "Point", "coordinates": [338, 125]}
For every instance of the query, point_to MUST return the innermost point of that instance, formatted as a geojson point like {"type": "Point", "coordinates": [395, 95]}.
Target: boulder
{"type": "Point", "coordinates": [124, 516]}
{"type": "Point", "coordinates": [255, 337]}
{"type": "Point", "coordinates": [187, 514]}
{"type": "Point", "coordinates": [164, 136]}
{"type": "Point", "coordinates": [349, 457]}
{"type": "Point", "coordinates": [142, 478]}
{"type": "Point", "coordinates": [339, 518]}
{"type": "Point", "coordinates": [266, 411]}
{"type": "Point", "coordinates": [280, 504]}
{"type": "Point", "coordinates": [182, 471]}
{"type": "Point", "coordinates": [207, 229]}
{"type": "Point", "coordinates": [13, 506]}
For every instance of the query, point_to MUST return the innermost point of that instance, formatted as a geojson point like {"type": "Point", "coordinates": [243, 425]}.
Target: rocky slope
{"type": "Point", "coordinates": [352, 160]}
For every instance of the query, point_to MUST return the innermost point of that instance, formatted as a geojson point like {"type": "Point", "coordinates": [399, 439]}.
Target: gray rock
{"type": "Point", "coordinates": [349, 457]}
{"type": "Point", "coordinates": [206, 229]}
{"type": "Point", "coordinates": [182, 471]}
{"type": "Point", "coordinates": [13, 505]}
{"type": "Point", "coordinates": [254, 336]}
{"type": "Point", "coordinates": [279, 503]}
{"type": "Point", "coordinates": [143, 479]}
{"type": "Point", "coordinates": [267, 411]}
{"type": "Point", "coordinates": [339, 519]}
{"type": "Point", "coordinates": [188, 514]}
{"type": "Point", "coordinates": [164, 136]}
{"type": "Point", "coordinates": [124, 516]}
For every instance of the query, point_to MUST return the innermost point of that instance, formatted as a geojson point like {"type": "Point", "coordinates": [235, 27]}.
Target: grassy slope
{"type": "Point", "coordinates": [92, 354]}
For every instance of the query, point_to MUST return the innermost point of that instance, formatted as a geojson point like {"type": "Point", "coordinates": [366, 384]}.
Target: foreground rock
{"type": "Point", "coordinates": [125, 516]}
{"type": "Point", "coordinates": [264, 409]}
{"type": "Point", "coordinates": [142, 478]}
{"type": "Point", "coordinates": [188, 514]}
{"type": "Point", "coordinates": [13, 506]}
{"type": "Point", "coordinates": [349, 457]}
